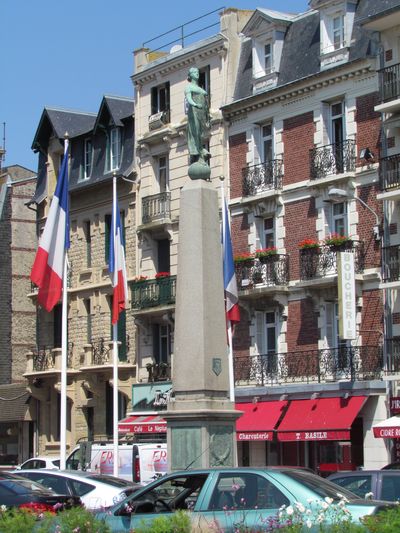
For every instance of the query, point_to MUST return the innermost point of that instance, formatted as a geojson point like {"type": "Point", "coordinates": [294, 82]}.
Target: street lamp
{"type": "Point", "coordinates": [338, 195]}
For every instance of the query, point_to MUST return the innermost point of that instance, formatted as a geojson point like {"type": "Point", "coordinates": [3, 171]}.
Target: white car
{"type": "Point", "coordinates": [46, 461]}
{"type": "Point", "coordinates": [97, 491]}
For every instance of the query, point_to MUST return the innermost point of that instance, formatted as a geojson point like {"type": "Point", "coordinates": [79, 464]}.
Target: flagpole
{"type": "Point", "coordinates": [229, 325]}
{"type": "Point", "coordinates": [64, 340]}
{"type": "Point", "coordinates": [115, 349]}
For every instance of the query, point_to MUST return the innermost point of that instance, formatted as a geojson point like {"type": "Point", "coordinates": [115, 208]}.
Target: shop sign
{"type": "Point", "coordinates": [313, 435]}
{"type": "Point", "coordinates": [387, 433]}
{"type": "Point", "coordinates": [254, 435]}
{"type": "Point", "coordinates": [347, 295]}
{"type": "Point", "coordinates": [148, 428]}
{"type": "Point", "coordinates": [395, 405]}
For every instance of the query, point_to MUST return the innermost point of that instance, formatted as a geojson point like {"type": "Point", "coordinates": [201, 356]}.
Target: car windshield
{"type": "Point", "coordinates": [24, 486]}
{"type": "Point", "coordinates": [320, 486]}
{"type": "Point", "coordinates": [110, 480]}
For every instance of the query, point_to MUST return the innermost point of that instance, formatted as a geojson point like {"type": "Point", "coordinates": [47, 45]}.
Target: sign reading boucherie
{"type": "Point", "coordinates": [313, 435]}
{"type": "Point", "coordinates": [254, 435]}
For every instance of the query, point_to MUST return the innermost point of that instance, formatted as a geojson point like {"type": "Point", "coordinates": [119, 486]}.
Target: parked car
{"type": "Point", "coordinates": [229, 495]}
{"type": "Point", "coordinates": [97, 491]}
{"type": "Point", "coordinates": [45, 461]}
{"type": "Point", "coordinates": [17, 491]}
{"type": "Point", "coordinates": [392, 466]}
{"type": "Point", "coordinates": [378, 484]}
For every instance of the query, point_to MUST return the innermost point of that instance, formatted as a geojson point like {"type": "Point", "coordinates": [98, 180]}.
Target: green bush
{"type": "Point", "coordinates": [387, 521]}
{"type": "Point", "coordinates": [17, 521]}
{"type": "Point", "coordinates": [178, 522]}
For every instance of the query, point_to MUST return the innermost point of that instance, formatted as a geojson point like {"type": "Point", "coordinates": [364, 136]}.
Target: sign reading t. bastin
{"type": "Point", "coordinates": [347, 295]}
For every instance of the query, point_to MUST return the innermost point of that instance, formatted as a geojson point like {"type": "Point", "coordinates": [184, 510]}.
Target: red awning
{"type": "Point", "coordinates": [258, 420]}
{"type": "Point", "coordinates": [321, 419]}
{"type": "Point", "coordinates": [142, 424]}
{"type": "Point", "coordinates": [388, 429]}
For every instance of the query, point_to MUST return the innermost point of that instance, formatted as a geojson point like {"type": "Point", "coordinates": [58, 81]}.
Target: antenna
{"type": "Point", "coordinates": [3, 148]}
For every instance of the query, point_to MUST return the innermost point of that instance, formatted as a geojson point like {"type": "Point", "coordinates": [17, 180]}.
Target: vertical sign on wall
{"type": "Point", "coordinates": [347, 295]}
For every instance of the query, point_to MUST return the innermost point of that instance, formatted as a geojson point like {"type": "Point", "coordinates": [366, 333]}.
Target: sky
{"type": "Point", "coordinates": [70, 54]}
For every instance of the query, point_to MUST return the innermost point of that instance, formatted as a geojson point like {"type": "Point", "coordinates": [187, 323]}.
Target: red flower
{"type": "Point", "coordinates": [308, 243]}
{"type": "Point", "coordinates": [162, 275]}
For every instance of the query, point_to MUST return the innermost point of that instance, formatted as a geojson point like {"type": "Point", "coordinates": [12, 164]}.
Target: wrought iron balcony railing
{"type": "Point", "coordinates": [154, 292]}
{"type": "Point", "coordinates": [330, 364]}
{"type": "Point", "coordinates": [389, 172]}
{"type": "Point", "coordinates": [262, 177]}
{"type": "Point", "coordinates": [391, 263]}
{"type": "Point", "coordinates": [156, 207]}
{"type": "Point", "coordinates": [49, 357]}
{"type": "Point", "coordinates": [389, 83]}
{"type": "Point", "coordinates": [270, 271]}
{"type": "Point", "coordinates": [322, 261]}
{"type": "Point", "coordinates": [393, 355]}
{"type": "Point", "coordinates": [101, 351]}
{"type": "Point", "coordinates": [332, 159]}
{"type": "Point", "coordinates": [159, 371]}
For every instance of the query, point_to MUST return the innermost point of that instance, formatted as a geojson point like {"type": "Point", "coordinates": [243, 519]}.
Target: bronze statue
{"type": "Point", "coordinates": [198, 128]}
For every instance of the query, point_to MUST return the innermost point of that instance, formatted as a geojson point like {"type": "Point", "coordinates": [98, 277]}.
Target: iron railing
{"type": "Point", "coordinates": [389, 83]}
{"type": "Point", "coordinates": [262, 177]}
{"type": "Point", "coordinates": [332, 159]}
{"type": "Point", "coordinates": [270, 271]}
{"type": "Point", "coordinates": [393, 355]}
{"type": "Point", "coordinates": [44, 357]}
{"type": "Point", "coordinates": [322, 261]}
{"type": "Point", "coordinates": [325, 365]}
{"type": "Point", "coordinates": [389, 172]}
{"type": "Point", "coordinates": [100, 351]}
{"type": "Point", "coordinates": [156, 207]}
{"type": "Point", "coordinates": [154, 292]}
{"type": "Point", "coordinates": [158, 371]}
{"type": "Point", "coordinates": [391, 263]}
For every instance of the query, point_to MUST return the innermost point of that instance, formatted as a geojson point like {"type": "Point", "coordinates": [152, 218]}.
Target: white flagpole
{"type": "Point", "coordinates": [115, 348]}
{"type": "Point", "coordinates": [229, 325]}
{"type": "Point", "coordinates": [64, 336]}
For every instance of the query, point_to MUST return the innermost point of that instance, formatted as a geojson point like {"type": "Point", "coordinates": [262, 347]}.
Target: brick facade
{"type": "Point", "coordinates": [237, 161]}
{"type": "Point", "coordinates": [368, 125]}
{"type": "Point", "coordinates": [298, 140]}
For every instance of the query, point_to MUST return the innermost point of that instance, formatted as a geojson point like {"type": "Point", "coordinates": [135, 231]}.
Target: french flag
{"type": "Point", "coordinates": [116, 263]}
{"type": "Point", "coordinates": [48, 267]}
{"type": "Point", "coordinates": [230, 285]}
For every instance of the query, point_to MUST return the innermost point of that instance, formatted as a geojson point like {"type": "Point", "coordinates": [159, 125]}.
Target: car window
{"type": "Point", "coordinates": [172, 494]}
{"type": "Point", "coordinates": [323, 487]}
{"type": "Point", "coordinates": [33, 463]}
{"type": "Point", "coordinates": [58, 484]}
{"type": "Point", "coordinates": [360, 484]}
{"type": "Point", "coordinates": [246, 491]}
{"type": "Point", "coordinates": [56, 463]}
{"type": "Point", "coordinates": [79, 488]}
{"type": "Point", "coordinates": [390, 488]}
{"type": "Point", "coordinates": [22, 486]}
{"type": "Point", "coordinates": [110, 480]}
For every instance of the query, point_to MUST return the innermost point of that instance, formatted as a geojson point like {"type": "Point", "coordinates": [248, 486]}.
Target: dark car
{"type": "Point", "coordinates": [377, 484]}
{"type": "Point", "coordinates": [16, 491]}
{"type": "Point", "coordinates": [392, 466]}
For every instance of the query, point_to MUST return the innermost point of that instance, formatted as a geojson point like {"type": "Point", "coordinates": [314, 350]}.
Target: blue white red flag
{"type": "Point", "coordinates": [116, 264]}
{"type": "Point", "coordinates": [230, 285]}
{"type": "Point", "coordinates": [48, 267]}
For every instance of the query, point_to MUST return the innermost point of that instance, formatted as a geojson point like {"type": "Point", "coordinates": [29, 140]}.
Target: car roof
{"type": "Point", "coordinates": [76, 474]}
{"type": "Point", "coordinates": [375, 471]}
{"type": "Point", "coordinates": [43, 458]}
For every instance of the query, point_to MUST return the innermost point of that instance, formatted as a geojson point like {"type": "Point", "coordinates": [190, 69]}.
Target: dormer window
{"type": "Point", "coordinates": [338, 32]}
{"type": "Point", "coordinates": [268, 58]}
{"type": "Point", "coordinates": [114, 150]}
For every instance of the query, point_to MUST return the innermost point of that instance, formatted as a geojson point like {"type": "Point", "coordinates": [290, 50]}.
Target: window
{"type": "Point", "coordinates": [265, 232]}
{"type": "Point", "coordinates": [86, 303]}
{"type": "Point", "coordinates": [160, 98]}
{"type": "Point", "coordinates": [268, 58]}
{"type": "Point", "coordinates": [266, 338]}
{"type": "Point", "coordinates": [266, 142]}
{"type": "Point", "coordinates": [107, 234]}
{"type": "Point", "coordinates": [359, 484]}
{"type": "Point", "coordinates": [163, 177]}
{"type": "Point", "coordinates": [340, 348]}
{"type": "Point", "coordinates": [57, 325]}
{"type": "Point", "coordinates": [114, 148]}
{"type": "Point", "coordinates": [88, 243]}
{"type": "Point", "coordinates": [162, 343]}
{"type": "Point", "coordinates": [204, 81]}
{"type": "Point", "coordinates": [338, 31]}
{"type": "Point", "coordinates": [88, 158]}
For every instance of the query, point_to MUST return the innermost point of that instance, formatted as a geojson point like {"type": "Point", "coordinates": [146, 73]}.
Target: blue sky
{"type": "Point", "coordinates": [69, 54]}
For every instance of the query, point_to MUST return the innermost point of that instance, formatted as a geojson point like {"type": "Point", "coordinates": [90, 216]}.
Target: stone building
{"type": "Point", "coordinates": [100, 145]}
{"type": "Point", "coordinates": [304, 150]}
{"type": "Point", "coordinates": [18, 316]}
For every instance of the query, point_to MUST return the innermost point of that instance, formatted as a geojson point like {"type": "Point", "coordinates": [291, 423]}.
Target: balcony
{"type": "Point", "coordinates": [393, 355]}
{"type": "Point", "coordinates": [321, 262]}
{"type": "Point", "coordinates": [389, 89]}
{"type": "Point", "coordinates": [256, 273]}
{"type": "Point", "coordinates": [391, 264]}
{"type": "Point", "coordinates": [158, 372]}
{"type": "Point", "coordinates": [99, 352]}
{"type": "Point", "coordinates": [47, 359]}
{"type": "Point", "coordinates": [153, 293]}
{"type": "Point", "coordinates": [262, 177]}
{"type": "Point", "coordinates": [156, 208]}
{"type": "Point", "coordinates": [355, 363]}
{"type": "Point", "coordinates": [333, 159]}
{"type": "Point", "coordinates": [389, 177]}
{"type": "Point", "coordinates": [159, 120]}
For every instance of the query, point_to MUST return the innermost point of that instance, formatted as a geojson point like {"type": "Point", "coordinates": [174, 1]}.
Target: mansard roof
{"type": "Point", "coordinates": [260, 15]}
{"type": "Point", "coordinates": [114, 109]}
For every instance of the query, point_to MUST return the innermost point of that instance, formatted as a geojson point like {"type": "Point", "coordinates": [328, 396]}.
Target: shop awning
{"type": "Point", "coordinates": [320, 419]}
{"type": "Point", "coordinates": [388, 429]}
{"type": "Point", "coordinates": [142, 424]}
{"type": "Point", "coordinates": [259, 420]}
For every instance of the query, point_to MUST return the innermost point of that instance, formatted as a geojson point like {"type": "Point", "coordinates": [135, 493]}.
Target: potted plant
{"type": "Point", "coordinates": [265, 254]}
{"type": "Point", "coordinates": [139, 280]}
{"type": "Point", "coordinates": [309, 244]}
{"type": "Point", "coordinates": [161, 275]}
{"type": "Point", "coordinates": [244, 257]}
{"type": "Point", "coordinates": [339, 242]}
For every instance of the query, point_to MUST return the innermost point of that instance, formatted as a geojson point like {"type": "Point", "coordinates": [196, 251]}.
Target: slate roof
{"type": "Point", "coordinates": [14, 400]}
{"type": "Point", "coordinates": [301, 50]}
{"type": "Point", "coordinates": [374, 8]}
{"type": "Point", "coordinates": [116, 107]}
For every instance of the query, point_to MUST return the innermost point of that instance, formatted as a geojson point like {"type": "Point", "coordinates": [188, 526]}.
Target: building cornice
{"type": "Point", "coordinates": [298, 88]}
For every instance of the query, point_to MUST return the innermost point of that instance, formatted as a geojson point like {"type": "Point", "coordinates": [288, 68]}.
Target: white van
{"type": "Point", "coordinates": [138, 462]}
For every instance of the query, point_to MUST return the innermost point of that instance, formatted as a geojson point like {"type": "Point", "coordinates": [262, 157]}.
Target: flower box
{"type": "Point", "coordinates": [341, 242]}
{"type": "Point", "coordinates": [309, 244]}
{"type": "Point", "coordinates": [245, 257]}
{"type": "Point", "coordinates": [265, 254]}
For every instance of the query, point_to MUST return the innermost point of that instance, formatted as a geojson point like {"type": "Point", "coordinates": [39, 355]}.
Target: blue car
{"type": "Point", "coordinates": [230, 496]}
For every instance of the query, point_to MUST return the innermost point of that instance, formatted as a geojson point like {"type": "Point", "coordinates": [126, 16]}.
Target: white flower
{"type": "Point", "coordinates": [328, 500]}
{"type": "Point", "coordinates": [3, 508]}
{"type": "Point", "coordinates": [342, 503]}
{"type": "Point", "coordinates": [369, 496]}
{"type": "Point", "coordinates": [310, 500]}
{"type": "Point", "coordinates": [324, 505]}
{"type": "Point", "coordinates": [300, 507]}
{"type": "Point", "coordinates": [320, 518]}
{"type": "Point", "coordinates": [308, 511]}
{"type": "Point", "coordinates": [309, 524]}
{"type": "Point", "coordinates": [282, 507]}
{"type": "Point", "coordinates": [289, 510]}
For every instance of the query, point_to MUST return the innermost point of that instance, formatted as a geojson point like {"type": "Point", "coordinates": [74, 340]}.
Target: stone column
{"type": "Point", "coordinates": [200, 417]}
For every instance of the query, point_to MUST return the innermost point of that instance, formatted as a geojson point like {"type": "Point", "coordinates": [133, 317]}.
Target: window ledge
{"type": "Point", "coordinates": [333, 57]}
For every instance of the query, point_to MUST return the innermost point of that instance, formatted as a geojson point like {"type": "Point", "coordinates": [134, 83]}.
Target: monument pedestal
{"type": "Point", "coordinates": [200, 417]}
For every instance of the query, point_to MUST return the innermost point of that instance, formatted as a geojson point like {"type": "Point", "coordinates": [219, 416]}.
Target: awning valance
{"type": "Point", "coordinates": [259, 420]}
{"type": "Point", "coordinates": [388, 429]}
{"type": "Point", "coordinates": [142, 424]}
{"type": "Point", "coordinates": [320, 419]}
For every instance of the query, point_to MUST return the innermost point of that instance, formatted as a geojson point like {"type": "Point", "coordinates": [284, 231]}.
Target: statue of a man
{"type": "Point", "coordinates": [198, 128]}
